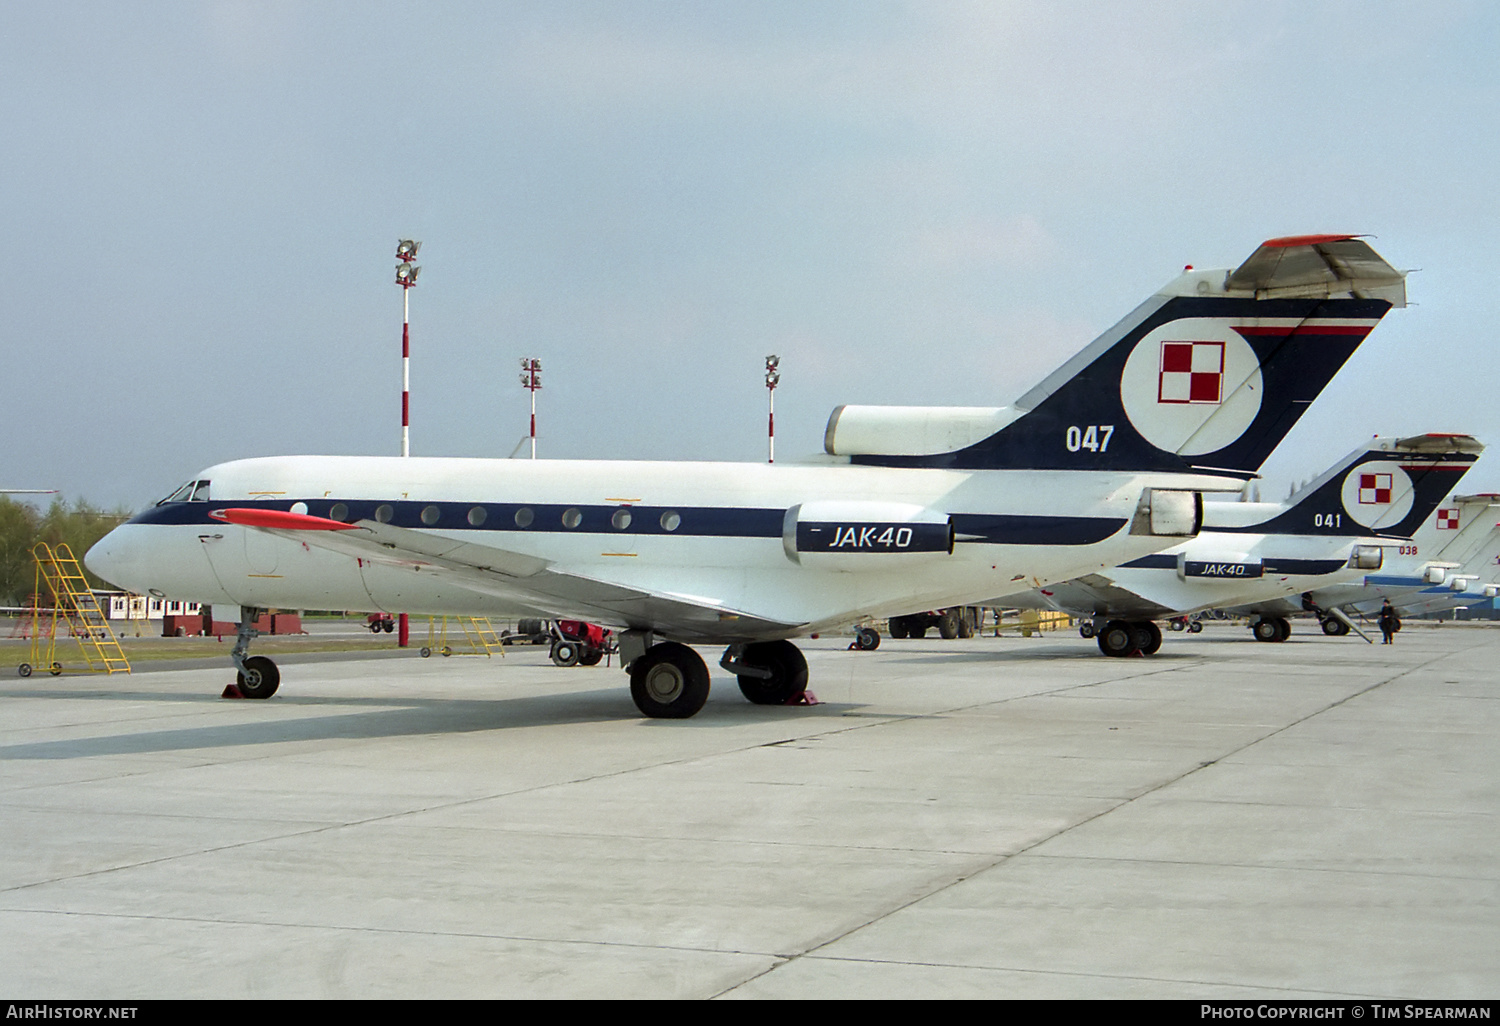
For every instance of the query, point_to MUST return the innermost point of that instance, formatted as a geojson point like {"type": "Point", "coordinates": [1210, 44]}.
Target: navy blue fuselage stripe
{"type": "Point", "coordinates": [696, 521]}
{"type": "Point", "coordinates": [1270, 564]}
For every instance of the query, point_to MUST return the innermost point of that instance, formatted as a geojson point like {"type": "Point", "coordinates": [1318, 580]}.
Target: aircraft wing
{"type": "Point", "coordinates": [516, 578]}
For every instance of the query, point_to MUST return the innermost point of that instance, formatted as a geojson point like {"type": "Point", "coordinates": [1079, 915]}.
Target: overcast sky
{"type": "Point", "coordinates": [917, 203]}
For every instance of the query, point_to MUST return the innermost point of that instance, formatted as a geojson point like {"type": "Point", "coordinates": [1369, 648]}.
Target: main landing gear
{"type": "Point", "coordinates": [1271, 628]}
{"type": "Point", "coordinates": [258, 676]}
{"type": "Point", "coordinates": [670, 681]}
{"type": "Point", "coordinates": [1127, 637]}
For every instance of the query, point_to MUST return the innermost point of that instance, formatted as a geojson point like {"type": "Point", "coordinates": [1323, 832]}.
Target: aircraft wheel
{"type": "Point", "coordinates": [1195, 627]}
{"type": "Point", "coordinates": [867, 639]}
{"type": "Point", "coordinates": [669, 681]}
{"type": "Point", "coordinates": [788, 669]}
{"type": "Point", "coordinates": [896, 625]}
{"type": "Point", "coordinates": [1153, 637]}
{"type": "Point", "coordinates": [1266, 630]}
{"type": "Point", "coordinates": [1086, 629]}
{"type": "Point", "coordinates": [948, 625]}
{"type": "Point", "coordinates": [260, 679]}
{"type": "Point", "coordinates": [24, 669]}
{"type": "Point", "coordinates": [1335, 628]}
{"type": "Point", "coordinates": [565, 653]}
{"type": "Point", "coordinates": [1177, 625]}
{"type": "Point", "coordinates": [1117, 639]}
{"type": "Point", "coordinates": [1283, 628]}
{"type": "Point", "coordinates": [965, 625]}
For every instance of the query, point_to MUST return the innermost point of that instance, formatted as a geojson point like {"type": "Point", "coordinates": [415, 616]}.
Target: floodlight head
{"type": "Point", "coordinates": [406, 249]}
{"type": "Point", "coordinates": [772, 362]}
{"type": "Point", "coordinates": [406, 274]}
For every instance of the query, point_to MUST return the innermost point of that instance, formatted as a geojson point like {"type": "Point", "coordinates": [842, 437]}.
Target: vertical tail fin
{"type": "Point", "coordinates": [1390, 487]}
{"type": "Point", "coordinates": [1211, 372]}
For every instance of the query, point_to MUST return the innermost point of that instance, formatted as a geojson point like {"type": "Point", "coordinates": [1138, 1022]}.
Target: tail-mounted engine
{"type": "Point", "coordinates": [857, 535]}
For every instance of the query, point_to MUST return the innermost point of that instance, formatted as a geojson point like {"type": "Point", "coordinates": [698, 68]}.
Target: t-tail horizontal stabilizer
{"type": "Point", "coordinates": [1209, 373]}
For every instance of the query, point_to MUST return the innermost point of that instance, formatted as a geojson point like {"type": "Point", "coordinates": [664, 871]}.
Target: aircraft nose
{"type": "Point", "coordinates": [107, 559]}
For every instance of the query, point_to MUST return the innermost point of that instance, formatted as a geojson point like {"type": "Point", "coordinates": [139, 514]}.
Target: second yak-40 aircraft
{"type": "Point", "coordinates": [1249, 555]}
{"type": "Point", "coordinates": [1103, 462]}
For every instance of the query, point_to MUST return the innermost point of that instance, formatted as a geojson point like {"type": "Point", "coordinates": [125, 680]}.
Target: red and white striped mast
{"type": "Point", "coordinates": [773, 378]}
{"type": "Point", "coordinates": [531, 380]}
{"type": "Point", "coordinates": [406, 277]}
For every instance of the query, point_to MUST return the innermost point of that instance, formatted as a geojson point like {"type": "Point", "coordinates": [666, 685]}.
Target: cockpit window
{"type": "Point", "coordinates": [193, 491]}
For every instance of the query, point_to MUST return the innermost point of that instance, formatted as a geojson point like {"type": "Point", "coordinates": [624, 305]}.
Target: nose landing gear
{"type": "Point", "coordinates": [258, 676]}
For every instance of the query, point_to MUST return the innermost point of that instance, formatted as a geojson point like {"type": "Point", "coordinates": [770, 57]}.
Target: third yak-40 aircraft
{"type": "Point", "coordinates": [1106, 461]}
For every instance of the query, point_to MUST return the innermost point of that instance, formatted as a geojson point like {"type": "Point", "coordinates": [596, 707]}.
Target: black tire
{"type": "Point", "coordinates": [565, 653]}
{"type": "Point", "coordinates": [1266, 630]}
{"type": "Point", "coordinates": [788, 668]}
{"type": "Point", "coordinates": [1283, 628]}
{"type": "Point", "coordinates": [24, 669]}
{"type": "Point", "coordinates": [897, 626]}
{"type": "Point", "coordinates": [426, 651]}
{"type": "Point", "coordinates": [948, 624]}
{"type": "Point", "coordinates": [1335, 628]}
{"type": "Point", "coordinates": [590, 656]}
{"type": "Point", "coordinates": [530, 627]}
{"type": "Point", "coordinates": [965, 624]}
{"type": "Point", "coordinates": [374, 626]}
{"type": "Point", "coordinates": [1177, 625]}
{"type": "Point", "coordinates": [1117, 639]}
{"type": "Point", "coordinates": [388, 626]}
{"type": "Point", "coordinates": [261, 681]}
{"type": "Point", "coordinates": [1195, 627]}
{"type": "Point", "coordinates": [1086, 629]}
{"type": "Point", "coordinates": [55, 669]}
{"type": "Point", "coordinates": [867, 639]}
{"type": "Point", "coordinates": [1152, 644]}
{"type": "Point", "coordinates": [669, 682]}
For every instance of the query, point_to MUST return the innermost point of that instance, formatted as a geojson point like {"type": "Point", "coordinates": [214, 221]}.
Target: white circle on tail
{"type": "Point", "coordinates": [1191, 386]}
{"type": "Point", "coordinates": [1377, 494]}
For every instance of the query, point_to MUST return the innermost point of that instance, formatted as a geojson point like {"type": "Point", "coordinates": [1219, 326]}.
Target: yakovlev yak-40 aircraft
{"type": "Point", "coordinates": [1452, 560]}
{"type": "Point", "coordinates": [916, 508]}
{"type": "Point", "coordinates": [1251, 554]}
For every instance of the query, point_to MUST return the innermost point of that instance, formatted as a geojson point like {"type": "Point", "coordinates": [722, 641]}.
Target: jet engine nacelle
{"type": "Point", "coordinates": [857, 535]}
{"type": "Point", "coordinates": [1434, 575]}
{"type": "Point", "coordinates": [1237, 566]}
{"type": "Point", "coordinates": [1366, 557]}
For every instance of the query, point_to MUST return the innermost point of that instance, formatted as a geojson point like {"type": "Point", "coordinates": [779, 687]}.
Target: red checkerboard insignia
{"type": "Point", "coordinates": [1375, 489]}
{"type": "Point", "coordinates": [1191, 372]}
{"type": "Point", "coordinates": [1447, 520]}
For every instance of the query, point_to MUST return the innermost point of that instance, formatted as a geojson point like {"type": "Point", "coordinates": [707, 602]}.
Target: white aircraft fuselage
{"type": "Point", "coordinates": [710, 534]}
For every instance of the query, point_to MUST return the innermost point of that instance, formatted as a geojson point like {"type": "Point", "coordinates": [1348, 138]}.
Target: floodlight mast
{"type": "Point", "coordinates": [773, 378]}
{"type": "Point", "coordinates": [406, 277]}
{"type": "Point", "coordinates": [531, 380]}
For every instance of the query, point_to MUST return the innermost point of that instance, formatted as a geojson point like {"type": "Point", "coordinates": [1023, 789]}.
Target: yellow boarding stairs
{"type": "Point", "coordinates": [479, 635]}
{"type": "Point", "coordinates": [1035, 621]}
{"type": "Point", "coordinates": [74, 604]}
